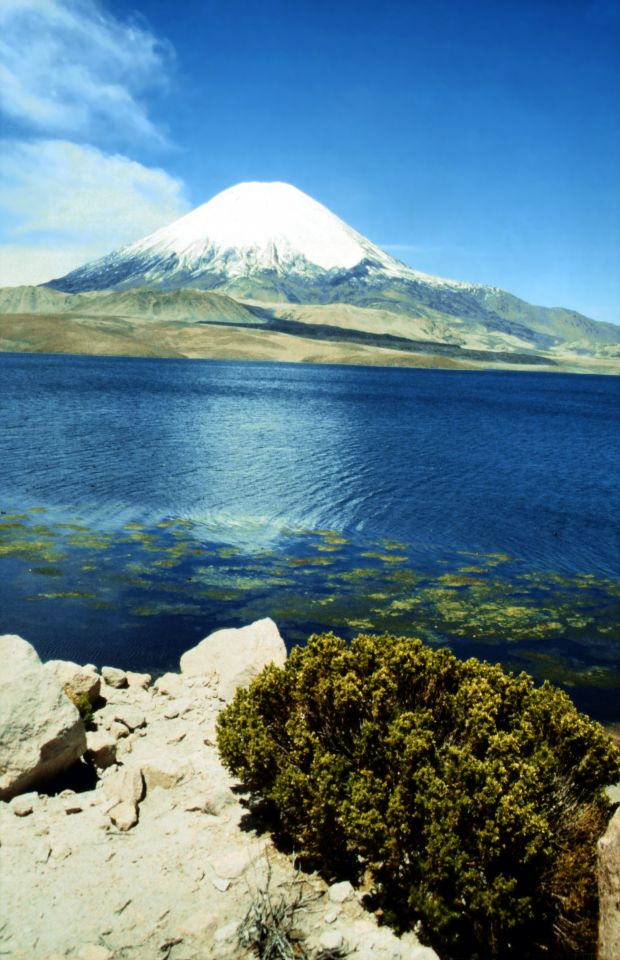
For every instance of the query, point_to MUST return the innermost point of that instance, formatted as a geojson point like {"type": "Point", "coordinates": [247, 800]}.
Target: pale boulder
{"type": "Point", "coordinates": [118, 730]}
{"type": "Point", "coordinates": [124, 815]}
{"type": "Point", "coordinates": [129, 716]}
{"type": "Point", "coordinates": [220, 883]}
{"type": "Point", "coordinates": [41, 731]}
{"type": "Point", "coordinates": [101, 748]}
{"type": "Point", "coordinates": [340, 892]}
{"type": "Point", "coordinates": [214, 800]}
{"type": "Point", "coordinates": [613, 793]}
{"type": "Point", "coordinates": [331, 941]}
{"type": "Point", "coordinates": [138, 681]}
{"type": "Point", "coordinates": [236, 656]}
{"type": "Point", "coordinates": [380, 943]}
{"type": "Point", "coordinates": [125, 784]}
{"type": "Point", "coordinates": [18, 657]}
{"type": "Point", "coordinates": [164, 772]}
{"type": "Point", "coordinates": [114, 677]}
{"type": "Point", "coordinates": [233, 862]}
{"type": "Point", "coordinates": [170, 685]}
{"type": "Point", "coordinates": [609, 890]}
{"type": "Point", "coordinates": [81, 680]}
{"type": "Point", "coordinates": [24, 805]}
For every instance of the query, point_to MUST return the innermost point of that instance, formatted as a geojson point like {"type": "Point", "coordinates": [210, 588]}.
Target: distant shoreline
{"type": "Point", "coordinates": [130, 337]}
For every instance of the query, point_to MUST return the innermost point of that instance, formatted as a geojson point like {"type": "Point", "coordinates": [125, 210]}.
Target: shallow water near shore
{"type": "Point", "coordinates": [146, 503]}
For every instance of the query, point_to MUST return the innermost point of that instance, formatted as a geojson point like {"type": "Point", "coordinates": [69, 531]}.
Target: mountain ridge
{"type": "Point", "coordinates": [272, 243]}
{"type": "Point", "coordinates": [196, 324]}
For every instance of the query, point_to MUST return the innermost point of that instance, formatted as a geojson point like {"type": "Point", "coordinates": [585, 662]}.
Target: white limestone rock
{"type": "Point", "coordinates": [138, 681]}
{"type": "Point", "coordinates": [130, 716]}
{"type": "Point", "coordinates": [178, 707]}
{"type": "Point", "coordinates": [232, 863]}
{"type": "Point", "coordinates": [609, 890]}
{"type": "Point", "coordinates": [124, 815]}
{"type": "Point", "coordinates": [613, 792]}
{"type": "Point", "coordinates": [214, 800]}
{"type": "Point", "coordinates": [164, 772]}
{"type": "Point", "coordinates": [370, 942]}
{"type": "Point", "coordinates": [18, 657]}
{"type": "Point", "coordinates": [236, 656]}
{"type": "Point", "coordinates": [81, 680]}
{"type": "Point", "coordinates": [118, 730]}
{"type": "Point", "coordinates": [170, 685]}
{"type": "Point", "coordinates": [114, 677]}
{"type": "Point", "coordinates": [178, 869]}
{"type": "Point", "coordinates": [101, 748]}
{"type": "Point", "coordinates": [23, 805]}
{"type": "Point", "coordinates": [124, 747]}
{"type": "Point", "coordinates": [220, 884]}
{"type": "Point", "coordinates": [340, 892]}
{"type": "Point", "coordinates": [41, 731]}
{"type": "Point", "coordinates": [331, 940]}
{"type": "Point", "coordinates": [125, 784]}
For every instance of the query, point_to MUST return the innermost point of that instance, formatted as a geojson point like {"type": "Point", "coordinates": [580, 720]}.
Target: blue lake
{"type": "Point", "coordinates": [147, 502]}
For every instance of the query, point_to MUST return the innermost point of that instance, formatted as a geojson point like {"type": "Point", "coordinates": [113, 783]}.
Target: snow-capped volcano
{"type": "Point", "coordinates": [271, 235]}
{"type": "Point", "coordinates": [261, 226]}
{"type": "Point", "coordinates": [271, 242]}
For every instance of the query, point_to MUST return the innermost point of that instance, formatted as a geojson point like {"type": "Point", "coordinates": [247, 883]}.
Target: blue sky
{"type": "Point", "coordinates": [471, 139]}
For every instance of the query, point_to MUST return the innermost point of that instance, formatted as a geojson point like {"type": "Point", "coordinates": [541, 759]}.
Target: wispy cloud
{"type": "Point", "coordinates": [73, 75]}
{"type": "Point", "coordinates": [405, 248]}
{"type": "Point", "coordinates": [66, 203]}
{"type": "Point", "coordinates": [416, 248]}
{"type": "Point", "coordinates": [29, 265]}
{"type": "Point", "coordinates": [68, 67]}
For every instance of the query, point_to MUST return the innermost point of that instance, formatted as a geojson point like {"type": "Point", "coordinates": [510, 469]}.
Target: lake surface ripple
{"type": "Point", "coordinates": [147, 502]}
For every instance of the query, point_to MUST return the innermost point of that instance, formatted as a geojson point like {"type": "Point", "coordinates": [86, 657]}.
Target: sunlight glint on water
{"type": "Point", "coordinates": [232, 475]}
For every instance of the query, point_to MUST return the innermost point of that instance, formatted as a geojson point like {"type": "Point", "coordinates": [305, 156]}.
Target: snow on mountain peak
{"type": "Point", "coordinates": [251, 238]}
{"type": "Point", "coordinates": [276, 222]}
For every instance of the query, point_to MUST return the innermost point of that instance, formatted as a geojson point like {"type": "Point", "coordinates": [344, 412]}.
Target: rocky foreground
{"type": "Point", "coordinates": [130, 840]}
{"type": "Point", "coordinates": [153, 854]}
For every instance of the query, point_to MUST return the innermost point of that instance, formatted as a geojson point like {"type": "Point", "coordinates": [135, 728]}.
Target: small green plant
{"type": "Point", "coordinates": [268, 927]}
{"type": "Point", "coordinates": [83, 704]}
{"type": "Point", "coordinates": [473, 797]}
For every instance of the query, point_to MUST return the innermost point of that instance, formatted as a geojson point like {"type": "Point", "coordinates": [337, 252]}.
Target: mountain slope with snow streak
{"type": "Point", "coordinates": [247, 230]}
{"type": "Point", "coordinates": [271, 242]}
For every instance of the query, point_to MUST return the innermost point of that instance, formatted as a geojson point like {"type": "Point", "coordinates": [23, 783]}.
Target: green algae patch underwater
{"type": "Point", "coordinates": [186, 581]}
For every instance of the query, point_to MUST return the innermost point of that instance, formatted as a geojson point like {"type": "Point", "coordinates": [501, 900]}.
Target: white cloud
{"type": "Point", "coordinates": [403, 248]}
{"type": "Point", "coordinates": [32, 265]}
{"type": "Point", "coordinates": [69, 203]}
{"type": "Point", "coordinates": [69, 67]}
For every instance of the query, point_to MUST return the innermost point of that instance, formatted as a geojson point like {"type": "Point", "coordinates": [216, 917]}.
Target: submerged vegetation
{"type": "Point", "coordinates": [473, 798]}
{"type": "Point", "coordinates": [176, 573]}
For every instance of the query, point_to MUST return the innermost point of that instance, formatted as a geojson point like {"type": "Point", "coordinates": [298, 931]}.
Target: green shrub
{"type": "Point", "coordinates": [83, 704]}
{"type": "Point", "coordinates": [474, 798]}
